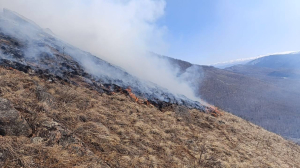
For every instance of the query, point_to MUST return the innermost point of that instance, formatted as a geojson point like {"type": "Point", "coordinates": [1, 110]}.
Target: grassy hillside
{"type": "Point", "coordinates": [74, 126]}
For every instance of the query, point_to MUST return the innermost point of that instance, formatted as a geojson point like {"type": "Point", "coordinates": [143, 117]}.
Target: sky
{"type": "Point", "coordinates": [211, 31]}
{"type": "Point", "coordinates": [199, 31]}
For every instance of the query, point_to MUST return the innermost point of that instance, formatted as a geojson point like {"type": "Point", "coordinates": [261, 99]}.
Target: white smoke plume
{"type": "Point", "coordinates": [121, 32]}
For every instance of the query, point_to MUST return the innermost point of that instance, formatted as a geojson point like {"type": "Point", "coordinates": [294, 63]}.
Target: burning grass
{"type": "Point", "coordinates": [79, 127]}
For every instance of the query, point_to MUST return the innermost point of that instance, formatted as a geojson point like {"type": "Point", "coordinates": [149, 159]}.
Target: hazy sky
{"type": "Point", "coordinates": [199, 31]}
{"type": "Point", "coordinates": [209, 31]}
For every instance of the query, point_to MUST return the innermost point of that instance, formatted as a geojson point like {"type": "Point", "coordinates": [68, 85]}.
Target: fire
{"type": "Point", "coordinates": [128, 92]}
{"type": "Point", "coordinates": [214, 111]}
{"type": "Point", "coordinates": [135, 98]}
{"type": "Point", "coordinates": [131, 94]}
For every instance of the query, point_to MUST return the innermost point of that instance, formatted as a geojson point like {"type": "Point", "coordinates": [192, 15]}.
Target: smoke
{"type": "Point", "coordinates": [121, 32]}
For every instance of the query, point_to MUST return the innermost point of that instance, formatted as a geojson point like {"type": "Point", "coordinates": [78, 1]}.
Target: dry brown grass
{"type": "Point", "coordinates": [92, 130]}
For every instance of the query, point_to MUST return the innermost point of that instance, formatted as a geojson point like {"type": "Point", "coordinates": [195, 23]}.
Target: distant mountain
{"type": "Point", "coordinates": [282, 72]}
{"type": "Point", "coordinates": [243, 61]}
{"type": "Point", "coordinates": [265, 91]}
{"type": "Point", "coordinates": [280, 69]}
{"type": "Point", "coordinates": [279, 61]}
{"type": "Point", "coordinates": [227, 64]}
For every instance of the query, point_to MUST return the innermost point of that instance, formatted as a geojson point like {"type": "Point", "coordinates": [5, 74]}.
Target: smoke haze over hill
{"type": "Point", "coordinates": [120, 32]}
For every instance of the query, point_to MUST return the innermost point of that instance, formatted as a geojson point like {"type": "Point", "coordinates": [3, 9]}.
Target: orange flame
{"type": "Point", "coordinates": [215, 111]}
{"type": "Point", "coordinates": [131, 94]}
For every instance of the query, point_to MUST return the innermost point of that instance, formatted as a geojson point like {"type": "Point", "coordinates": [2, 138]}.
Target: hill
{"type": "Point", "coordinates": [281, 73]}
{"type": "Point", "coordinates": [278, 61]}
{"type": "Point", "coordinates": [74, 126]}
{"type": "Point", "coordinates": [263, 95]}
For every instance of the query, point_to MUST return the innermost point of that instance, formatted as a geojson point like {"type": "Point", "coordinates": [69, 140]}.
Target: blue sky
{"type": "Point", "coordinates": [210, 31]}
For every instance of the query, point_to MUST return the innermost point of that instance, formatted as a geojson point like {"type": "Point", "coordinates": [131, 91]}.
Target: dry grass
{"type": "Point", "coordinates": [81, 128]}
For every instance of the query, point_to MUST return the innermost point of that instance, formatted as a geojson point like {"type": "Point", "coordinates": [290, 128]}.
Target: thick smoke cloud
{"type": "Point", "coordinates": [121, 32]}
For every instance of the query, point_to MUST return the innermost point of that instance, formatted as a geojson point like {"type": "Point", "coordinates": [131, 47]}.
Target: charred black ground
{"type": "Point", "coordinates": [29, 49]}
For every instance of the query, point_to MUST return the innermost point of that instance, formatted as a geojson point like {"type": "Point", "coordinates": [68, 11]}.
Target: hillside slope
{"type": "Point", "coordinates": [63, 107]}
{"type": "Point", "coordinates": [73, 126]}
{"type": "Point", "coordinates": [272, 107]}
